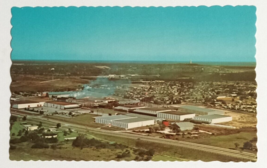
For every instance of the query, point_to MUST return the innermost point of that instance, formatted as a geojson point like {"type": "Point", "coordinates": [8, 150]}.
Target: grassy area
{"type": "Point", "coordinates": [162, 157]}
{"type": "Point", "coordinates": [66, 153]}
{"type": "Point", "coordinates": [15, 128]}
{"type": "Point", "coordinates": [106, 110]}
{"type": "Point", "coordinates": [166, 152]}
{"type": "Point", "coordinates": [225, 141]}
{"type": "Point", "coordinates": [86, 119]}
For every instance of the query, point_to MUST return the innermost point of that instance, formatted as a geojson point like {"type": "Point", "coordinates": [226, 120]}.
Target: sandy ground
{"type": "Point", "coordinates": [242, 119]}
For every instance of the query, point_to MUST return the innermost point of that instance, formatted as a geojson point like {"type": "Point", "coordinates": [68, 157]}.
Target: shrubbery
{"type": "Point", "coordinates": [40, 145]}
{"type": "Point", "coordinates": [81, 141]}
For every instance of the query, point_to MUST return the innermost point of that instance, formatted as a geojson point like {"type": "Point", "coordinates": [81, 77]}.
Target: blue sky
{"type": "Point", "coordinates": [206, 34]}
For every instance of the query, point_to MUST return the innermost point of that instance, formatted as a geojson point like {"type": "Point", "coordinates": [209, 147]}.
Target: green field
{"type": "Point", "coordinates": [225, 141]}
{"type": "Point", "coordinates": [86, 120]}
{"type": "Point", "coordinates": [15, 128]}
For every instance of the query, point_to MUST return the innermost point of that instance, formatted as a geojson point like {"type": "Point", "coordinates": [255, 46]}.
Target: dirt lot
{"type": "Point", "coordinates": [242, 119]}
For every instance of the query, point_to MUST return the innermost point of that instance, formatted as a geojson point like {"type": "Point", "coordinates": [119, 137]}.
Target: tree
{"type": "Point", "coordinates": [151, 129]}
{"type": "Point", "coordinates": [236, 145]}
{"type": "Point", "coordinates": [58, 125]}
{"type": "Point", "coordinates": [65, 133]}
{"type": "Point", "coordinates": [24, 118]}
{"type": "Point", "coordinates": [175, 128]}
{"type": "Point", "coordinates": [70, 131]}
{"type": "Point", "coordinates": [247, 145]}
{"type": "Point", "coordinates": [40, 124]}
{"type": "Point", "coordinates": [19, 133]}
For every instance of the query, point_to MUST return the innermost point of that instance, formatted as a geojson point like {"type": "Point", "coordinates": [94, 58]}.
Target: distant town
{"type": "Point", "coordinates": [133, 111]}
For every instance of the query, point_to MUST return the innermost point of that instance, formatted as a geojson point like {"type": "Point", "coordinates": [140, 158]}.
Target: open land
{"type": "Point", "coordinates": [72, 132]}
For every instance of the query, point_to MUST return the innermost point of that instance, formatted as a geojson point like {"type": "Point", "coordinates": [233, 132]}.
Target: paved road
{"type": "Point", "coordinates": [189, 145]}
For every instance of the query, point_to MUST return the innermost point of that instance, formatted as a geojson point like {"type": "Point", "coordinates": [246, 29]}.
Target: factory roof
{"type": "Point", "coordinates": [213, 116]}
{"type": "Point", "coordinates": [116, 117]}
{"type": "Point", "coordinates": [153, 109]}
{"type": "Point", "coordinates": [184, 124]}
{"type": "Point", "coordinates": [176, 112]}
{"type": "Point", "coordinates": [60, 103]}
{"type": "Point", "coordinates": [24, 102]}
{"type": "Point", "coordinates": [132, 120]}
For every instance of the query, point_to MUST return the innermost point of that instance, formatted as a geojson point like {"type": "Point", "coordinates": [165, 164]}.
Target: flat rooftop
{"type": "Point", "coordinates": [24, 102]}
{"type": "Point", "coordinates": [213, 116]}
{"type": "Point", "coordinates": [153, 109]}
{"type": "Point", "coordinates": [132, 120]}
{"type": "Point", "coordinates": [184, 124]}
{"type": "Point", "coordinates": [115, 117]}
{"type": "Point", "coordinates": [61, 103]}
{"type": "Point", "coordinates": [176, 112]}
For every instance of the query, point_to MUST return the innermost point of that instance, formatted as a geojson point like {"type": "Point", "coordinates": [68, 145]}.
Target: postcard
{"type": "Point", "coordinates": [133, 83]}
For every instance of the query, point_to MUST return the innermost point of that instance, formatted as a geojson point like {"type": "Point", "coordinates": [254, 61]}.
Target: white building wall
{"type": "Point", "coordinates": [117, 123]}
{"type": "Point", "coordinates": [20, 106]}
{"type": "Point", "coordinates": [140, 124]}
{"type": "Point", "coordinates": [183, 117]}
{"type": "Point", "coordinates": [71, 106]}
{"type": "Point", "coordinates": [221, 120]}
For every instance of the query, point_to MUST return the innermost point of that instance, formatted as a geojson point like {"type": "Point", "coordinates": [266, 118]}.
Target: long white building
{"type": "Point", "coordinates": [151, 111]}
{"type": "Point", "coordinates": [127, 108]}
{"type": "Point", "coordinates": [26, 104]}
{"type": "Point", "coordinates": [175, 115]}
{"type": "Point", "coordinates": [124, 121]}
{"type": "Point", "coordinates": [213, 119]}
{"type": "Point", "coordinates": [61, 105]}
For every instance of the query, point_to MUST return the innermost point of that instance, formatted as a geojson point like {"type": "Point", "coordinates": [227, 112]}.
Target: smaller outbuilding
{"type": "Point", "coordinates": [185, 126]}
{"type": "Point", "coordinates": [30, 127]}
{"type": "Point", "coordinates": [213, 119]}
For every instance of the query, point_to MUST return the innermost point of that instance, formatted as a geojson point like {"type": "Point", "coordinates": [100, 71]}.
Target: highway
{"type": "Point", "coordinates": [189, 145]}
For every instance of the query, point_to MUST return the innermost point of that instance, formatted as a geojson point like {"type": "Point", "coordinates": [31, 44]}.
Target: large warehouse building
{"type": "Point", "coordinates": [175, 115]}
{"type": "Point", "coordinates": [200, 110]}
{"type": "Point", "coordinates": [124, 121]}
{"type": "Point", "coordinates": [61, 105]}
{"type": "Point", "coordinates": [127, 108]}
{"type": "Point", "coordinates": [213, 119]}
{"type": "Point", "coordinates": [26, 104]}
{"type": "Point", "coordinates": [151, 111]}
